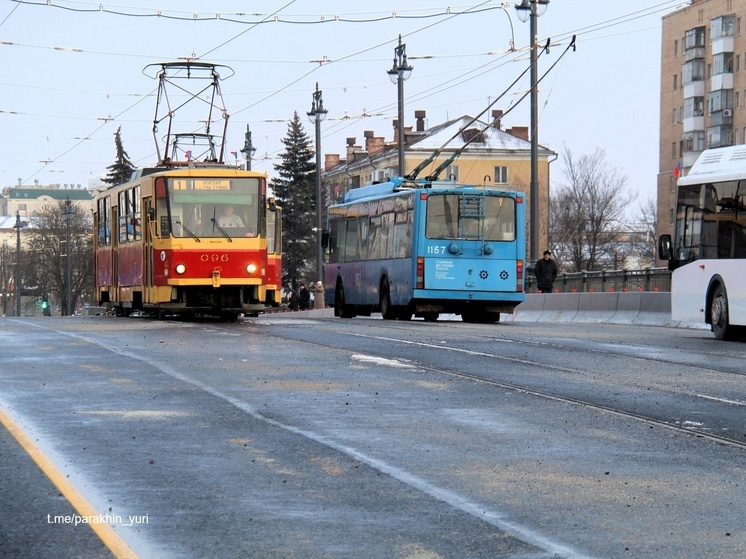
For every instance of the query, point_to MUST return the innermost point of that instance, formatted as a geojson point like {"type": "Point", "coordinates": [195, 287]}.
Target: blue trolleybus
{"type": "Point", "coordinates": [415, 247]}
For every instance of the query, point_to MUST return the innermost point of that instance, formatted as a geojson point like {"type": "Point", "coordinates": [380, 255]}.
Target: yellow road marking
{"type": "Point", "coordinates": [106, 533]}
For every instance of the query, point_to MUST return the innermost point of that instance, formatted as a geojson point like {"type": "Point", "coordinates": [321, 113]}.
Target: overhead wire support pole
{"type": "Point", "coordinates": [316, 115]}
{"type": "Point", "coordinates": [399, 72]}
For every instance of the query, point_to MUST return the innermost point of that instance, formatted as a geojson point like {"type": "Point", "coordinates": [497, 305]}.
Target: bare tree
{"type": "Point", "coordinates": [647, 218]}
{"type": "Point", "coordinates": [47, 242]}
{"type": "Point", "coordinates": [586, 212]}
{"type": "Point", "coordinates": [7, 271]}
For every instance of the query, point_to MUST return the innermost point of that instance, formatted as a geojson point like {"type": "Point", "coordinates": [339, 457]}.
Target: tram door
{"type": "Point", "coordinates": [115, 294]}
{"type": "Point", "coordinates": [148, 232]}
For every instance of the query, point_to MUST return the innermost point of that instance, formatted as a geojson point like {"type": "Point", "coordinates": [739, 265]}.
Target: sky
{"type": "Point", "coordinates": [74, 71]}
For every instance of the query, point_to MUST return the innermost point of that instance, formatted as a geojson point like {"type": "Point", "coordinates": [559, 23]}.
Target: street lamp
{"type": "Point", "coordinates": [399, 72]}
{"type": "Point", "coordinates": [531, 10]}
{"type": "Point", "coordinates": [18, 226]}
{"type": "Point", "coordinates": [68, 214]}
{"type": "Point", "coordinates": [316, 115]}
{"type": "Point", "coordinates": [248, 150]}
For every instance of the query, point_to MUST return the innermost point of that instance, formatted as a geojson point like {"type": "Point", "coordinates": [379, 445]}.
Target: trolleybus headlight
{"type": "Point", "coordinates": [180, 268]}
{"type": "Point", "coordinates": [453, 248]}
{"type": "Point", "coordinates": [488, 248]}
{"type": "Point", "coordinates": [251, 268]}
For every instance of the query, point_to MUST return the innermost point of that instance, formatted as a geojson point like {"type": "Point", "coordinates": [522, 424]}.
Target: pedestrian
{"type": "Point", "coordinates": [293, 300]}
{"type": "Point", "coordinates": [546, 272]}
{"type": "Point", "coordinates": [305, 297]}
{"type": "Point", "coordinates": [318, 300]}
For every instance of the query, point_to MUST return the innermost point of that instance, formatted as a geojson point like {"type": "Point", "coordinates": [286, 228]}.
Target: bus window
{"type": "Point", "coordinates": [351, 242]}
{"type": "Point", "coordinates": [442, 216]}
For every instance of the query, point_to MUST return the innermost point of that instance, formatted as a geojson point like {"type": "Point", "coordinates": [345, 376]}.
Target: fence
{"type": "Point", "coordinates": [608, 281]}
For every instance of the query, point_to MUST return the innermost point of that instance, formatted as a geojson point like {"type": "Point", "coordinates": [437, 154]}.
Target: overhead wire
{"type": "Point", "coordinates": [478, 8]}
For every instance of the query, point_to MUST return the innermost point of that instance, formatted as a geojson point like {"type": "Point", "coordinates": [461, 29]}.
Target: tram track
{"type": "Point", "coordinates": [675, 426]}
{"type": "Point", "coordinates": [618, 352]}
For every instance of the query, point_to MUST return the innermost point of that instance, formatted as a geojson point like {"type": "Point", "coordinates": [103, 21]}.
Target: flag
{"type": "Point", "coordinates": [234, 154]}
{"type": "Point", "coordinates": [188, 154]}
{"type": "Point", "coordinates": [677, 170]}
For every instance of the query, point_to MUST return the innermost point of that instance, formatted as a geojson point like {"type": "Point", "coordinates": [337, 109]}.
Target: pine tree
{"type": "Point", "coordinates": [120, 171]}
{"type": "Point", "coordinates": [295, 192]}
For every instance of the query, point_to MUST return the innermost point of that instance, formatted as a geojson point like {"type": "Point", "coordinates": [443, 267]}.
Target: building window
{"type": "Point", "coordinates": [501, 175]}
{"type": "Point", "coordinates": [722, 63]}
{"type": "Point", "coordinates": [722, 27]}
{"type": "Point", "coordinates": [694, 106]}
{"type": "Point", "coordinates": [693, 71]}
{"type": "Point", "coordinates": [676, 48]}
{"type": "Point", "coordinates": [452, 173]}
{"type": "Point", "coordinates": [693, 141]}
{"type": "Point", "coordinates": [673, 150]}
{"type": "Point", "coordinates": [720, 100]}
{"type": "Point", "coordinates": [675, 82]}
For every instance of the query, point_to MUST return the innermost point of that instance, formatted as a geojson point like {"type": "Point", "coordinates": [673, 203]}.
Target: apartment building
{"type": "Point", "coordinates": [703, 90]}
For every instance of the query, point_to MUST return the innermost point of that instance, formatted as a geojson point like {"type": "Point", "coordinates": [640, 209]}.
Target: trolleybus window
{"type": "Point", "coordinates": [451, 216]}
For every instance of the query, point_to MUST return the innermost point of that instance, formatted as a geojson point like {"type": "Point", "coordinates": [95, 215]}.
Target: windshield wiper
{"type": "Point", "coordinates": [222, 231]}
{"type": "Point", "coordinates": [187, 231]}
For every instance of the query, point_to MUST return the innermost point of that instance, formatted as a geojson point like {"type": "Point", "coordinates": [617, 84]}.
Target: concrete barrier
{"type": "Point", "coordinates": [644, 308]}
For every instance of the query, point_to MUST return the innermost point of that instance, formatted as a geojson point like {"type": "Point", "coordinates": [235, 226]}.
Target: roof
{"type": "Point", "coordinates": [448, 136]}
{"type": "Point", "coordinates": [717, 165]}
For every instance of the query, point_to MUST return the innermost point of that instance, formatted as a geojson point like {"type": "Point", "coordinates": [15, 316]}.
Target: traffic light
{"type": "Point", "coordinates": [45, 307]}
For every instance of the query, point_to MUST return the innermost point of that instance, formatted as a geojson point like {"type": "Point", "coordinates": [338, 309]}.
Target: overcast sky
{"type": "Point", "coordinates": [73, 73]}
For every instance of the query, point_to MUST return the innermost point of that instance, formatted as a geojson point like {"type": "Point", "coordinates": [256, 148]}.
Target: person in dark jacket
{"type": "Point", "coordinates": [305, 297]}
{"type": "Point", "coordinates": [293, 302]}
{"type": "Point", "coordinates": [546, 272]}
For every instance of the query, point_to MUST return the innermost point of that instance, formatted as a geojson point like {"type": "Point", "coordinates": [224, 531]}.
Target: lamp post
{"type": "Point", "coordinates": [18, 226]}
{"type": "Point", "coordinates": [68, 214]}
{"type": "Point", "coordinates": [399, 72]}
{"type": "Point", "coordinates": [316, 115]}
{"type": "Point", "coordinates": [531, 10]}
{"type": "Point", "coordinates": [248, 150]}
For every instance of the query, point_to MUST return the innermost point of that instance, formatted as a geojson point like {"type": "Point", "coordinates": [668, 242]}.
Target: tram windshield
{"type": "Point", "coordinates": [213, 207]}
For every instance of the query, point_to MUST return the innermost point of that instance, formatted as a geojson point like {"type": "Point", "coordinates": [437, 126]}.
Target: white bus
{"type": "Point", "coordinates": [708, 251]}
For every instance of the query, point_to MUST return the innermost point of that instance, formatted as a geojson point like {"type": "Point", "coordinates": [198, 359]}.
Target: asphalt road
{"type": "Point", "coordinates": [365, 438]}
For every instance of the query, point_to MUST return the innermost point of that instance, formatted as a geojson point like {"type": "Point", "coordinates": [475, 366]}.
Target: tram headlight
{"type": "Point", "coordinates": [251, 268]}
{"type": "Point", "coordinates": [180, 268]}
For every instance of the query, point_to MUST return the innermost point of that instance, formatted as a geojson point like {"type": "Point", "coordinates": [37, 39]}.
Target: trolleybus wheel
{"type": "Point", "coordinates": [340, 308]}
{"type": "Point", "coordinates": [386, 309]}
{"type": "Point", "coordinates": [719, 315]}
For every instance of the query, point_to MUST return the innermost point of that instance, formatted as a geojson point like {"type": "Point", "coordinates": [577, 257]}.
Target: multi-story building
{"type": "Point", "coordinates": [490, 155]}
{"type": "Point", "coordinates": [703, 90]}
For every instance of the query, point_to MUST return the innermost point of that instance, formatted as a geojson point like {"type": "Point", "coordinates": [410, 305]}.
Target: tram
{"type": "Point", "coordinates": [192, 235]}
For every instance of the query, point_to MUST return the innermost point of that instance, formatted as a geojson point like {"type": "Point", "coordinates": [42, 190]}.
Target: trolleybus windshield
{"type": "Point", "coordinates": [470, 216]}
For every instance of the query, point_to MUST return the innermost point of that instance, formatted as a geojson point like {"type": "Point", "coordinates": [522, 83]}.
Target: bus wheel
{"type": "Point", "coordinates": [719, 314]}
{"type": "Point", "coordinates": [340, 308]}
{"type": "Point", "coordinates": [385, 302]}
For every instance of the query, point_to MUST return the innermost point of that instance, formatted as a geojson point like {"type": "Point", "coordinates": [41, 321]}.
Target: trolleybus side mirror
{"type": "Point", "coordinates": [325, 239]}
{"type": "Point", "coordinates": [664, 247]}
{"type": "Point", "coordinates": [151, 214]}
{"type": "Point", "coordinates": [272, 204]}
